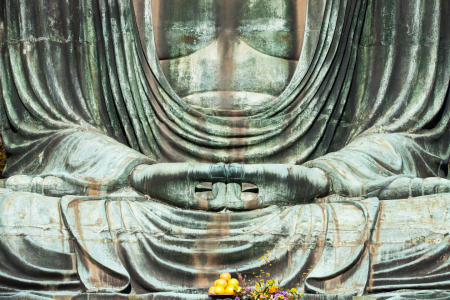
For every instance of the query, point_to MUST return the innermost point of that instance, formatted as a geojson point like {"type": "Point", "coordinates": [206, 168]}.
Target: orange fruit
{"type": "Point", "coordinates": [239, 289]}
{"type": "Point", "coordinates": [211, 290]}
{"type": "Point", "coordinates": [221, 282]}
{"type": "Point", "coordinates": [225, 276]}
{"type": "Point", "coordinates": [219, 290]}
{"type": "Point", "coordinates": [229, 289]}
{"type": "Point", "coordinates": [233, 282]}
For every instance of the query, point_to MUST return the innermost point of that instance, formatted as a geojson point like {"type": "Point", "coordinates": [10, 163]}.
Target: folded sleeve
{"type": "Point", "coordinates": [370, 163]}
{"type": "Point", "coordinates": [88, 162]}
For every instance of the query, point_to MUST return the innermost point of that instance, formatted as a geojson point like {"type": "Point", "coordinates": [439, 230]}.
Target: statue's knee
{"type": "Point", "coordinates": [48, 186]}
{"type": "Point", "coordinates": [402, 188]}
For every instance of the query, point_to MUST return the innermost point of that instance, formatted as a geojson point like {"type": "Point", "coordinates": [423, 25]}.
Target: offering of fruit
{"type": "Point", "coordinates": [219, 290]}
{"type": "Point", "coordinates": [221, 282]}
{"type": "Point", "coordinates": [225, 285]}
{"type": "Point", "coordinates": [229, 289]}
{"type": "Point", "coordinates": [225, 276]}
{"type": "Point", "coordinates": [233, 282]}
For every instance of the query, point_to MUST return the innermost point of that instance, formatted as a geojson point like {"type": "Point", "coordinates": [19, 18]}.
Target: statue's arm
{"type": "Point", "coordinates": [82, 163]}
{"type": "Point", "coordinates": [387, 166]}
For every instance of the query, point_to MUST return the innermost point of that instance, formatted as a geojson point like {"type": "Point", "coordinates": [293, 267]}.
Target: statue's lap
{"type": "Point", "coordinates": [197, 245]}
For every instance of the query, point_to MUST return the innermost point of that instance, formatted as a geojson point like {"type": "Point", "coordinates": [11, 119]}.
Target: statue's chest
{"type": "Point", "coordinates": [273, 27]}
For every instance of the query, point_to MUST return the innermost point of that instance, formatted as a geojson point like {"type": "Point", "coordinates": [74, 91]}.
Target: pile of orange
{"type": "Point", "coordinates": [225, 285]}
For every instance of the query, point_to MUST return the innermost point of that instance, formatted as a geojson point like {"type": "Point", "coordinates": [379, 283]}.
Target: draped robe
{"type": "Point", "coordinates": [84, 99]}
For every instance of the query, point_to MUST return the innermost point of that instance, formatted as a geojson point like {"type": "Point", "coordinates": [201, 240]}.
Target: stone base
{"type": "Point", "coordinates": [153, 296]}
{"type": "Point", "coordinates": [399, 295]}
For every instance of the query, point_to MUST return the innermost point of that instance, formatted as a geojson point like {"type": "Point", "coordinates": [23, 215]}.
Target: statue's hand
{"type": "Point", "coordinates": [179, 184]}
{"type": "Point", "coordinates": [175, 184]}
{"type": "Point", "coordinates": [276, 185]}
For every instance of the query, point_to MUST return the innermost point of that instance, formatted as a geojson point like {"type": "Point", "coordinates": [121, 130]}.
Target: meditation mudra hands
{"type": "Point", "coordinates": [232, 186]}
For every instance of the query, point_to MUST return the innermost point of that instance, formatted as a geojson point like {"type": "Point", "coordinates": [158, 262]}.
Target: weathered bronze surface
{"type": "Point", "coordinates": [153, 144]}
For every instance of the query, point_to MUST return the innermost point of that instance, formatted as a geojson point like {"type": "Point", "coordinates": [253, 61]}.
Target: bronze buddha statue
{"type": "Point", "coordinates": [153, 144]}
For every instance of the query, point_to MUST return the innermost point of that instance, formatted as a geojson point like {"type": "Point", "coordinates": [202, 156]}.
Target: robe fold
{"type": "Point", "coordinates": [108, 243]}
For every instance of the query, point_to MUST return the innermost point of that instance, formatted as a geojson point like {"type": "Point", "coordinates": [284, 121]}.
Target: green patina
{"type": "Point", "coordinates": [153, 144]}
